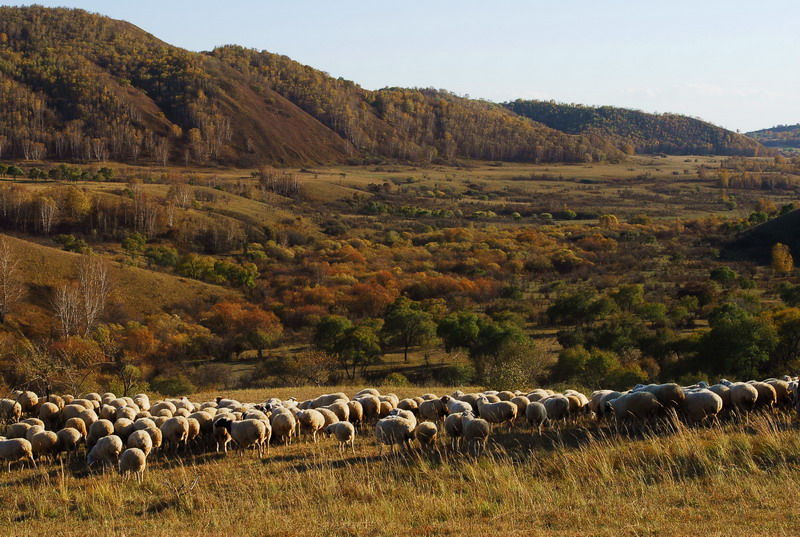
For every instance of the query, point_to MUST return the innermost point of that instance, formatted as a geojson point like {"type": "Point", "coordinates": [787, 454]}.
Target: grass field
{"type": "Point", "coordinates": [735, 480]}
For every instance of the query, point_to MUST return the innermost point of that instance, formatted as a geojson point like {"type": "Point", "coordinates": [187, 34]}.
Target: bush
{"type": "Point", "coordinates": [397, 380]}
{"type": "Point", "coordinates": [172, 386]}
{"type": "Point", "coordinates": [456, 374]}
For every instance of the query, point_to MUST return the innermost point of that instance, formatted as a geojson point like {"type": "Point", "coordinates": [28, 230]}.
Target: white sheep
{"type": "Point", "coordinates": [393, 430]}
{"type": "Point", "coordinates": [174, 432]}
{"type": "Point", "coordinates": [725, 394]}
{"type": "Point", "coordinates": [106, 451]}
{"type": "Point", "coordinates": [356, 413]}
{"type": "Point", "coordinates": [639, 405]}
{"type": "Point", "coordinates": [16, 449]}
{"type": "Point", "coordinates": [44, 444]}
{"type": "Point", "coordinates": [476, 432]}
{"type": "Point", "coordinates": [27, 400]}
{"type": "Point", "coordinates": [69, 441]}
{"type": "Point", "coordinates": [407, 414]}
{"type": "Point", "coordinates": [98, 430]}
{"type": "Point", "coordinates": [370, 406]}
{"type": "Point", "coordinates": [426, 433]}
{"type": "Point", "coordinates": [408, 404]}
{"type": "Point", "coordinates": [345, 434]}
{"type": "Point", "coordinates": [701, 405]}
{"type": "Point", "coordinates": [669, 395]}
{"type": "Point", "coordinates": [247, 433]}
{"type": "Point", "coordinates": [520, 400]}
{"type": "Point", "coordinates": [311, 421]}
{"type": "Point", "coordinates": [283, 424]}
{"type": "Point", "coordinates": [78, 424]}
{"type": "Point", "coordinates": [557, 407]}
{"type": "Point", "coordinates": [140, 439]}
{"type": "Point", "coordinates": [329, 398]}
{"type": "Point", "coordinates": [743, 396]}
{"type": "Point", "coordinates": [10, 410]}
{"type": "Point", "coordinates": [453, 428]}
{"type": "Point", "coordinates": [133, 461]}
{"type": "Point", "coordinates": [49, 413]}
{"type": "Point", "coordinates": [536, 415]}
{"type": "Point", "coordinates": [498, 412]}
{"type": "Point", "coordinates": [434, 409]}
{"type": "Point", "coordinates": [340, 408]}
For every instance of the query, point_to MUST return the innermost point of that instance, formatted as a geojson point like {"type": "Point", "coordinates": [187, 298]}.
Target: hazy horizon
{"type": "Point", "coordinates": [724, 62]}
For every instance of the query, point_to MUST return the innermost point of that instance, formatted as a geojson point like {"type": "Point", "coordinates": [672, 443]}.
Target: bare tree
{"type": "Point", "coordinates": [67, 309]}
{"type": "Point", "coordinates": [12, 290]}
{"type": "Point", "coordinates": [94, 288]}
{"type": "Point", "coordinates": [47, 213]}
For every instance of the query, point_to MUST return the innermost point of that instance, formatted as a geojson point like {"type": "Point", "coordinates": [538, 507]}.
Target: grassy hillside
{"type": "Point", "coordinates": [137, 292]}
{"type": "Point", "coordinates": [633, 130]}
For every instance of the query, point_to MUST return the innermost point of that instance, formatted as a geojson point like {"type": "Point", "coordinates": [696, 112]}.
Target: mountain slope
{"type": "Point", "coordinates": [83, 86]}
{"type": "Point", "coordinates": [412, 124]}
{"type": "Point", "coordinates": [633, 130]}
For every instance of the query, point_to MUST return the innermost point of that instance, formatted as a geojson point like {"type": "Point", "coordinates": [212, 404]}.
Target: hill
{"type": "Point", "coordinates": [85, 87]}
{"type": "Point", "coordinates": [783, 137]}
{"type": "Point", "coordinates": [138, 293]}
{"type": "Point", "coordinates": [633, 130]}
{"type": "Point", "coordinates": [756, 243]}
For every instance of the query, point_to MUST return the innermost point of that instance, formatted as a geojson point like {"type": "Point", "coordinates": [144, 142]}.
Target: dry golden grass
{"type": "Point", "coordinates": [140, 292]}
{"type": "Point", "coordinates": [734, 480]}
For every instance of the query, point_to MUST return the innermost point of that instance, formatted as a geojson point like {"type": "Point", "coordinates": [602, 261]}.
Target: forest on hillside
{"type": "Point", "coordinates": [640, 132]}
{"type": "Point", "coordinates": [82, 87]}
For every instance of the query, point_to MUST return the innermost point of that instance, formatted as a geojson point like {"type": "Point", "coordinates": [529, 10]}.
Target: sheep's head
{"type": "Point", "coordinates": [224, 423]}
{"type": "Point", "coordinates": [445, 399]}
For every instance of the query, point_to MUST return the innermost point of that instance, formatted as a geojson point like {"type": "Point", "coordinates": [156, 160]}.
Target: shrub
{"type": "Point", "coordinates": [172, 386]}
{"type": "Point", "coordinates": [397, 380]}
{"type": "Point", "coordinates": [456, 374]}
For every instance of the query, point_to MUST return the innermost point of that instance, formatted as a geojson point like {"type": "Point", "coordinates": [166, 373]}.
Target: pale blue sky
{"type": "Point", "coordinates": [730, 62]}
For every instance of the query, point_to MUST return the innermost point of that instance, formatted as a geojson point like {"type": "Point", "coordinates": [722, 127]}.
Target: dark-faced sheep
{"type": "Point", "coordinates": [345, 435]}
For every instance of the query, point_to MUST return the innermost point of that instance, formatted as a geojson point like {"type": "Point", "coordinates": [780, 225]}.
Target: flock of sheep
{"type": "Point", "coordinates": [125, 431]}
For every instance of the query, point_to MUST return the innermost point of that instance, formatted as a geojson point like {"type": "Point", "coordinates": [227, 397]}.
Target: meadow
{"type": "Point", "coordinates": [736, 478]}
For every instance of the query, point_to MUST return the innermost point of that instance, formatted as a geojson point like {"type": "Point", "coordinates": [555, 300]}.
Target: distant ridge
{"type": "Point", "coordinates": [784, 137]}
{"type": "Point", "coordinates": [633, 130]}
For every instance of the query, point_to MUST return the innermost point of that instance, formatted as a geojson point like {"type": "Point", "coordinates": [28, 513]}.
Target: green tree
{"type": "Point", "coordinates": [133, 244]}
{"type": "Point", "coordinates": [407, 324]}
{"type": "Point", "coordinates": [738, 344]}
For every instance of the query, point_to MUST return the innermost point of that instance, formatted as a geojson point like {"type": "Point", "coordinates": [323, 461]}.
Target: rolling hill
{"type": "Point", "coordinates": [633, 130]}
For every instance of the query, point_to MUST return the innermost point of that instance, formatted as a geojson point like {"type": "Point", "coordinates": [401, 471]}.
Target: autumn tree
{"type": "Point", "coordinates": [243, 327]}
{"type": "Point", "coordinates": [12, 289]}
{"type": "Point", "coordinates": [782, 261]}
